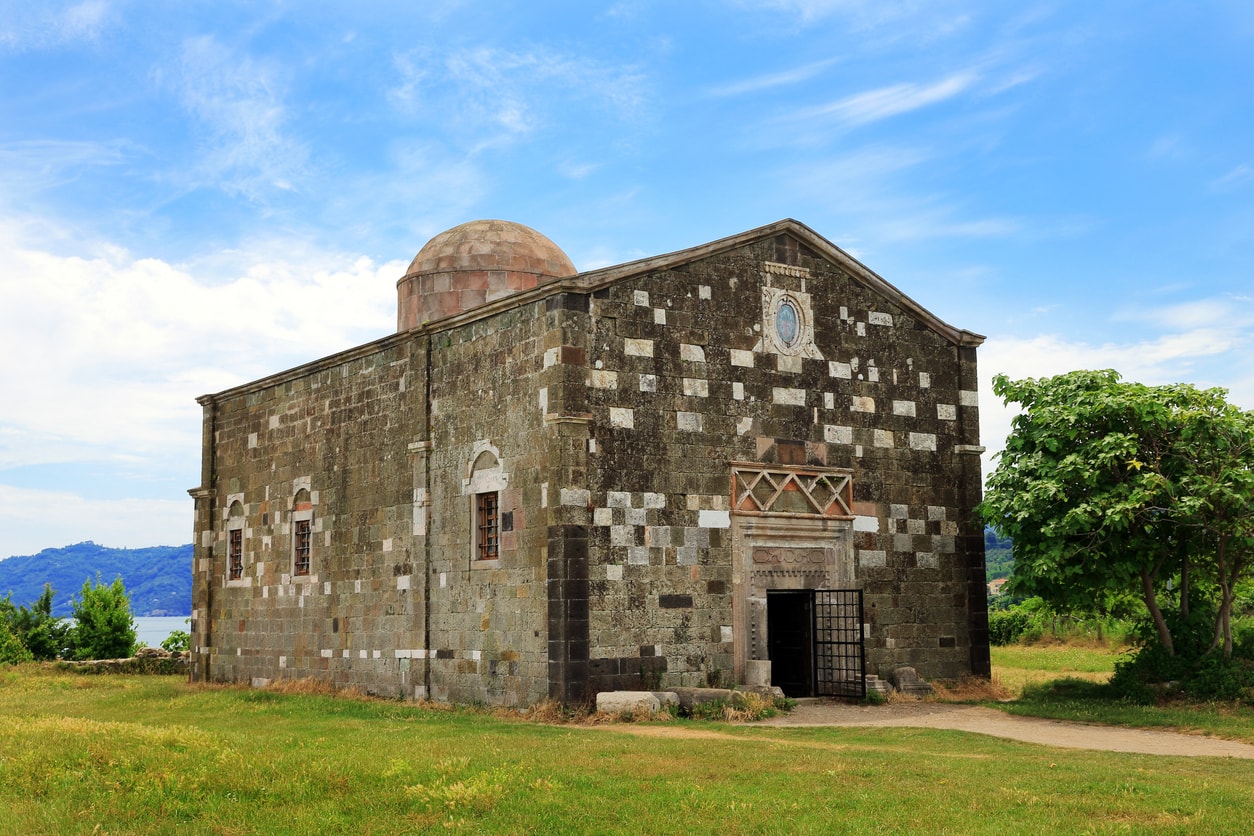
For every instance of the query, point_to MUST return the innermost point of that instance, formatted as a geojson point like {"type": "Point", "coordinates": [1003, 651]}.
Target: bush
{"type": "Point", "coordinates": [1007, 626]}
{"type": "Point", "coordinates": [179, 641]}
{"type": "Point", "coordinates": [103, 628]}
{"type": "Point", "coordinates": [12, 651]}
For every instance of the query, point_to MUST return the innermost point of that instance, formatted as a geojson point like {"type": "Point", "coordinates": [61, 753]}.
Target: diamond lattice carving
{"type": "Point", "coordinates": [810, 491]}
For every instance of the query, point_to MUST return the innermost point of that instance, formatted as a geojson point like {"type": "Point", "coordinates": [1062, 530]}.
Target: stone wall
{"type": "Point", "coordinates": [681, 380]}
{"type": "Point", "coordinates": [333, 436]}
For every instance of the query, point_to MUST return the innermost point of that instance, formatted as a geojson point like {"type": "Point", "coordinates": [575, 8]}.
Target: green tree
{"type": "Point", "coordinates": [12, 650]}
{"type": "Point", "coordinates": [1106, 487]}
{"type": "Point", "coordinates": [45, 635]}
{"type": "Point", "coordinates": [103, 627]}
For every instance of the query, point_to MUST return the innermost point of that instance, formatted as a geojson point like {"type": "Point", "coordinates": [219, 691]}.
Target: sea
{"type": "Point", "coordinates": [151, 631]}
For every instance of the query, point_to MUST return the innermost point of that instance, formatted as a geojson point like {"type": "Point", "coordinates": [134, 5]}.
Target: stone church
{"type": "Point", "coordinates": [750, 461]}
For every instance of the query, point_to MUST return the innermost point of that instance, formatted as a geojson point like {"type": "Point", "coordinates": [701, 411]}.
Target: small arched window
{"type": "Point", "coordinates": [302, 532]}
{"type": "Point", "coordinates": [484, 483]}
{"type": "Point", "coordinates": [235, 541]}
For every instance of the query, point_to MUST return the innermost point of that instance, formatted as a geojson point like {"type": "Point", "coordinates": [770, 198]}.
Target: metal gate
{"type": "Point", "coordinates": [839, 658]}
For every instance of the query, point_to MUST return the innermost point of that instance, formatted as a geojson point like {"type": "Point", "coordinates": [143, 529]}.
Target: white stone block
{"type": "Point", "coordinates": [744, 425]}
{"type": "Point", "coordinates": [654, 500]}
{"type": "Point", "coordinates": [628, 702]}
{"type": "Point", "coordinates": [618, 499]}
{"type": "Point", "coordinates": [883, 438]}
{"type": "Point", "coordinates": [742, 358]}
{"type": "Point", "coordinates": [835, 434]}
{"type": "Point", "coordinates": [880, 318]}
{"type": "Point", "coordinates": [714, 519]}
{"type": "Point", "coordinates": [788, 397]}
{"type": "Point", "coordinates": [648, 383]}
{"type": "Point", "coordinates": [688, 421]}
{"type": "Point", "coordinates": [841, 370]}
{"type": "Point", "coordinates": [575, 496]}
{"type": "Point", "coordinates": [622, 417]}
{"type": "Point", "coordinates": [788, 363]}
{"type": "Point", "coordinates": [946, 412]}
{"type": "Point", "coordinates": [641, 298]}
{"type": "Point", "coordinates": [659, 316]}
{"type": "Point", "coordinates": [738, 391]}
{"type": "Point", "coordinates": [691, 353]}
{"type": "Point", "coordinates": [905, 408]}
{"type": "Point", "coordinates": [602, 379]}
{"type": "Point", "coordinates": [602, 516]}
{"type": "Point", "coordinates": [861, 403]}
{"type": "Point", "coordinates": [966, 397]}
{"type": "Point", "coordinates": [696, 387]}
{"type": "Point", "coordinates": [703, 291]}
{"type": "Point", "coordinates": [923, 441]}
{"type": "Point", "coordinates": [866, 523]}
{"type": "Point", "coordinates": [637, 348]}
{"type": "Point", "coordinates": [614, 572]}
{"type": "Point", "coordinates": [925, 380]}
{"type": "Point", "coordinates": [871, 559]}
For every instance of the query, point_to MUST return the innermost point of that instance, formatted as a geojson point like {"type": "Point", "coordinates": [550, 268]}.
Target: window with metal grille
{"type": "Point", "coordinates": [300, 549]}
{"type": "Point", "coordinates": [489, 525]}
{"type": "Point", "coordinates": [235, 554]}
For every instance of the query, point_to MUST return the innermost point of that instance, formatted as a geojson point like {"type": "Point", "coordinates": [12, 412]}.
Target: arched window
{"type": "Point", "coordinates": [235, 541]}
{"type": "Point", "coordinates": [484, 483]}
{"type": "Point", "coordinates": [302, 532]}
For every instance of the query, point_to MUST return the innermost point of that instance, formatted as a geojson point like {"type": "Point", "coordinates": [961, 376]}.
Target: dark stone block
{"type": "Point", "coordinates": [674, 602]}
{"type": "Point", "coordinates": [567, 302]}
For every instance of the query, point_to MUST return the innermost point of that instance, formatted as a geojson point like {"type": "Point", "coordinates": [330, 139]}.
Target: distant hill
{"type": "Point", "coordinates": [158, 579]}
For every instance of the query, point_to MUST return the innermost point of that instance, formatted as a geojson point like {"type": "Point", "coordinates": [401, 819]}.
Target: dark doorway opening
{"type": "Point", "coordinates": [814, 639]}
{"type": "Point", "coordinates": [790, 640]}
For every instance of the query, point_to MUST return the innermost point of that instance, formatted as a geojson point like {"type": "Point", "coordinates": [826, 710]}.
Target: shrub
{"type": "Point", "coordinates": [12, 651]}
{"type": "Point", "coordinates": [103, 628]}
{"type": "Point", "coordinates": [179, 641]}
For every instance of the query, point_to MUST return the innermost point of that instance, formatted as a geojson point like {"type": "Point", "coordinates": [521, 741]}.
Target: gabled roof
{"type": "Point", "coordinates": [605, 276]}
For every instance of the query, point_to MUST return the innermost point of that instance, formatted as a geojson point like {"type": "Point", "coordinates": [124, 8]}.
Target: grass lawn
{"type": "Point", "coordinates": [1016, 666]}
{"type": "Point", "coordinates": [1062, 681]}
{"type": "Point", "coordinates": [133, 754]}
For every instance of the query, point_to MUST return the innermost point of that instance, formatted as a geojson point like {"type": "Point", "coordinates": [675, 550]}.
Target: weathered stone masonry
{"type": "Point", "coordinates": [617, 418]}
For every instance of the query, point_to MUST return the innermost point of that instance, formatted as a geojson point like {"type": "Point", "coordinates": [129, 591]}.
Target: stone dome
{"type": "Point", "coordinates": [476, 262]}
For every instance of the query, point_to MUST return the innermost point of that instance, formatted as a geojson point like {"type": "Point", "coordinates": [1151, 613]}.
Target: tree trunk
{"type": "Point", "coordinates": [1184, 587]}
{"type": "Point", "coordinates": [1151, 603]}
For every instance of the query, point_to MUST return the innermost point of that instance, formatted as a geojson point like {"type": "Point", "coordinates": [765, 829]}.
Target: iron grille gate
{"type": "Point", "coordinates": [839, 659]}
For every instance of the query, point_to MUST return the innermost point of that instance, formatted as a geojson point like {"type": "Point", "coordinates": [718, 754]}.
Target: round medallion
{"type": "Point", "coordinates": [787, 322]}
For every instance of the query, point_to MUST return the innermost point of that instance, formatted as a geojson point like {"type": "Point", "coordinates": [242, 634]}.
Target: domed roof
{"type": "Point", "coordinates": [492, 245]}
{"type": "Point", "coordinates": [474, 263]}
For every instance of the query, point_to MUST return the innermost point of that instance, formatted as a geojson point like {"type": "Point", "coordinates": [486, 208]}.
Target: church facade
{"type": "Point", "coordinates": [750, 460]}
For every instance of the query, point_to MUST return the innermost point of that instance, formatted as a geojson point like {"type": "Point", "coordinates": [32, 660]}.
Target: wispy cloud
{"type": "Point", "coordinates": [506, 94]}
{"type": "Point", "coordinates": [1237, 176]}
{"type": "Point", "coordinates": [885, 102]}
{"type": "Point", "coordinates": [47, 24]}
{"type": "Point", "coordinates": [239, 99]}
{"type": "Point", "coordinates": [772, 80]}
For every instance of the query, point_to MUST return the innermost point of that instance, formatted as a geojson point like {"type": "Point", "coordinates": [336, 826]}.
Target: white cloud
{"type": "Point", "coordinates": [34, 520]}
{"type": "Point", "coordinates": [1243, 173]}
{"type": "Point", "coordinates": [115, 348]}
{"type": "Point", "coordinates": [884, 102]}
{"type": "Point", "coordinates": [771, 80]}
{"type": "Point", "coordinates": [1174, 357]}
{"type": "Point", "coordinates": [48, 24]}
{"type": "Point", "coordinates": [502, 94]}
{"type": "Point", "coordinates": [240, 100]}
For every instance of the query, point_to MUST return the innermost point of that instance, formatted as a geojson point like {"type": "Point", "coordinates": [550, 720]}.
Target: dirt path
{"type": "Point", "coordinates": [979, 720]}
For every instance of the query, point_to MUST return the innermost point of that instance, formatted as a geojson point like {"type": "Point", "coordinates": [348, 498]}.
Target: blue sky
{"type": "Point", "coordinates": [193, 195]}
